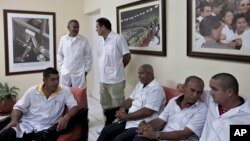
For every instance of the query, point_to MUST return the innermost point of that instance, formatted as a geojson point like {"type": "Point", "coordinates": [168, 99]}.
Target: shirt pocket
{"type": "Point", "coordinates": [56, 107]}
{"type": "Point", "coordinates": [187, 118]}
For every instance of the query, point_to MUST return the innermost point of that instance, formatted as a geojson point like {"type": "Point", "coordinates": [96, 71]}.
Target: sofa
{"type": "Point", "coordinates": [80, 131]}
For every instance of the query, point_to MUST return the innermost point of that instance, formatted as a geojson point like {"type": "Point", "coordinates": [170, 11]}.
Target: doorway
{"type": "Point", "coordinates": [94, 71]}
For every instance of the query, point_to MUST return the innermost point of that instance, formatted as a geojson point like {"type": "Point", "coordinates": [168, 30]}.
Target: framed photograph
{"type": "Point", "coordinates": [29, 41]}
{"type": "Point", "coordinates": [143, 25]}
{"type": "Point", "coordinates": [211, 34]}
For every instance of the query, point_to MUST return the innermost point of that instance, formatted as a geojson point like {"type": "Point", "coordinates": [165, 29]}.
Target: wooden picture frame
{"type": "Point", "coordinates": [143, 24]}
{"type": "Point", "coordinates": [30, 41]}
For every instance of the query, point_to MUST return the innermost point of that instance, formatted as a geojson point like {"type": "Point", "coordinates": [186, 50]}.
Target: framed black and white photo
{"type": "Point", "coordinates": [143, 24]}
{"type": "Point", "coordinates": [214, 30]}
{"type": "Point", "coordinates": [29, 41]}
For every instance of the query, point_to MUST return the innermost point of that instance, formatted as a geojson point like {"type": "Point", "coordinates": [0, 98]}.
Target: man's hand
{"type": "Point", "coordinates": [11, 124]}
{"type": "Point", "coordinates": [118, 113]}
{"type": "Point", "coordinates": [147, 131]}
{"type": "Point", "coordinates": [141, 126]}
{"type": "Point", "coordinates": [122, 115]}
{"type": "Point", "coordinates": [62, 123]}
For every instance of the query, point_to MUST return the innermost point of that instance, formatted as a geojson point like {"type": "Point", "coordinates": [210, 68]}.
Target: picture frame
{"type": "Point", "coordinates": [143, 25]}
{"type": "Point", "coordinates": [30, 41]}
{"type": "Point", "coordinates": [195, 49]}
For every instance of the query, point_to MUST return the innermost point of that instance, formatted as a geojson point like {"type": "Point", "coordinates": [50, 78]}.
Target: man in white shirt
{"type": "Point", "coordinates": [40, 108]}
{"type": "Point", "coordinates": [113, 57]}
{"type": "Point", "coordinates": [225, 108]}
{"type": "Point", "coordinates": [74, 57]}
{"type": "Point", "coordinates": [182, 119]}
{"type": "Point", "coordinates": [145, 103]}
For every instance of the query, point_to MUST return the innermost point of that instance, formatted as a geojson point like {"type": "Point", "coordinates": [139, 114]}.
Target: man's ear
{"type": "Point", "coordinates": [230, 91]}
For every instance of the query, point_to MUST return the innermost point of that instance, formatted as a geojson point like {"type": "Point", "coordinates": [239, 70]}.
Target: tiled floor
{"type": "Point", "coordinates": [96, 118]}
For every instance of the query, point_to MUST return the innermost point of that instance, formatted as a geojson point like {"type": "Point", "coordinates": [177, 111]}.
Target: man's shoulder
{"type": "Point", "coordinates": [81, 37]}
{"type": "Point", "coordinates": [246, 106]}
{"type": "Point", "coordinates": [64, 36]}
{"type": "Point", "coordinates": [155, 84]}
{"type": "Point", "coordinates": [64, 90]}
{"type": "Point", "coordinates": [34, 87]}
{"type": "Point", "coordinates": [115, 35]}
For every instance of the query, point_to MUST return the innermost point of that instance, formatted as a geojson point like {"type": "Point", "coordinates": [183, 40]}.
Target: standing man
{"type": "Point", "coordinates": [113, 56]}
{"type": "Point", "coordinates": [74, 57]}
{"type": "Point", "coordinates": [225, 108]}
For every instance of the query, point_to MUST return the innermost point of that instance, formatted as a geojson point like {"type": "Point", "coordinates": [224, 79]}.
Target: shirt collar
{"type": "Point", "coordinates": [245, 106]}
{"type": "Point", "coordinates": [111, 34]}
{"type": "Point", "coordinates": [182, 96]}
{"type": "Point", "coordinates": [152, 83]}
{"type": "Point", "coordinates": [77, 36]}
{"type": "Point", "coordinates": [39, 88]}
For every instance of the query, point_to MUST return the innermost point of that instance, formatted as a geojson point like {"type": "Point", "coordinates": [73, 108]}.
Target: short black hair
{"type": "Point", "coordinates": [203, 5]}
{"type": "Point", "coordinates": [227, 81]}
{"type": "Point", "coordinates": [148, 69]}
{"type": "Point", "coordinates": [208, 23]}
{"type": "Point", "coordinates": [104, 22]}
{"type": "Point", "coordinates": [49, 71]}
{"type": "Point", "coordinates": [194, 77]}
{"type": "Point", "coordinates": [72, 21]}
{"type": "Point", "coordinates": [239, 16]}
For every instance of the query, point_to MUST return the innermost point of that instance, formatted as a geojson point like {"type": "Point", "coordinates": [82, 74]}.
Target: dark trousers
{"type": "Point", "coordinates": [117, 132]}
{"type": "Point", "coordinates": [10, 135]}
{"type": "Point", "coordinates": [110, 115]}
{"type": "Point", "coordinates": [50, 134]}
{"type": "Point", "coordinates": [137, 138]}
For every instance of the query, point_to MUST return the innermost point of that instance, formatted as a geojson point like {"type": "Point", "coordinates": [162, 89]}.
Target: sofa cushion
{"type": "Point", "coordinates": [170, 93]}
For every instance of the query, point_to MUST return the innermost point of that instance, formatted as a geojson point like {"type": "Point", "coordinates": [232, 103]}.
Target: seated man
{"type": "Point", "coordinates": [182, 119]}
{"type": "Point", "coordinates": [226, 108]}
{"type": "Point", "coordinates": [40, 108]}
{"type": "Point", "coordinates": [145, 103]}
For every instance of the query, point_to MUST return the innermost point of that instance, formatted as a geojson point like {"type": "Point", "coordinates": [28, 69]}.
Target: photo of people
{"type": "Point", "coordinates": [222, 24]}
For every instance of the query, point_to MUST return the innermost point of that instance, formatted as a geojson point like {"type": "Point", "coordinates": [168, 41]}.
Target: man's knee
{"type": "Point", "coordinates": [46, 135]}
{"type": "Point", "coordinates": [8, 135]}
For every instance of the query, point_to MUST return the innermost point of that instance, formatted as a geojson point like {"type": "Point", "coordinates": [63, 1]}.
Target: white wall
{"type": "Point", "coordinates": [169, 70]}
{"type": "Point", "coordinates": [64, 9]}
{"type": "Point", "coordinates": [177, 65]}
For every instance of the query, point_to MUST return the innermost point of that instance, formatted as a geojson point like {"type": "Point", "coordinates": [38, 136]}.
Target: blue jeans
{"type": "Point", "coordinates": [117, 132]}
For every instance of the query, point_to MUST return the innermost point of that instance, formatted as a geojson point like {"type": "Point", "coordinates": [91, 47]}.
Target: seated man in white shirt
{"type": "Point", "coordinates": [225, 108]}
{"type": "Point", "coordinates": [39, 109]}
{"type": "Point", "coordinates": [182, 119]}
{"type": "Point", "coordinates": [145, 103]}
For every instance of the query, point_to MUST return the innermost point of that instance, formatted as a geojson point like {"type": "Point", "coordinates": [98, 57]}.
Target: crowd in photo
{"type": "Point", "coordinates": [223, 24]}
